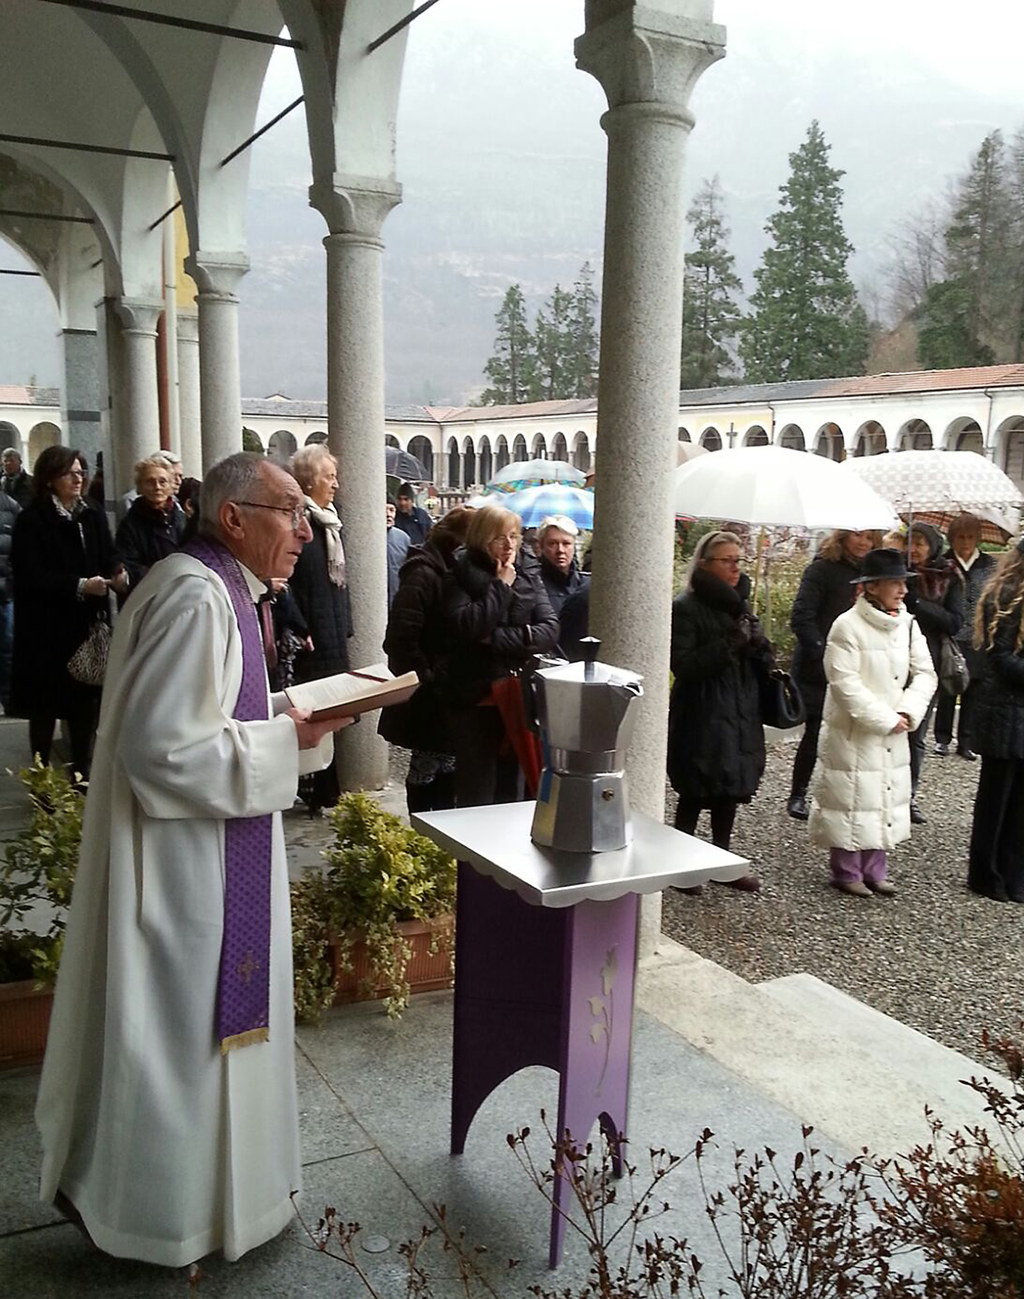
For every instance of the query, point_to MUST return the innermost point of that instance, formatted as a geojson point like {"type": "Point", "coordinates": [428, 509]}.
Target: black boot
{"type": "Point", "coordinates": [797, 807]}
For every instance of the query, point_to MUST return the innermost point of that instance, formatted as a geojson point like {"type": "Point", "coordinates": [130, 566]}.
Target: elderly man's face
{"type": "Point", "coordinates": [268, 542]}
{"type": "Point", "coordinates": [389, 514]}
{"type": "Point", "coordinates": [11, 465]}
{"type": "Point", "coordinates": [558, 548]}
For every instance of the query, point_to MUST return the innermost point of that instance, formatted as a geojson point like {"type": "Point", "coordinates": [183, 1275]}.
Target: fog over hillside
{"type": "Point", "coordinates": [501, 158]}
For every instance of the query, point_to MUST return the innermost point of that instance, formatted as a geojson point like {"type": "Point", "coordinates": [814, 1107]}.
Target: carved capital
{"type": "Point", "coordinates": [217, 275]}
{"type": "Point", "coordinates": [138, 317]}
{"type": "Point", "coordinates": [648, 54]}
{"type": "Point", "coordinates": [355, 205]}
{"type": "Point", "coordinates": [188, 327]}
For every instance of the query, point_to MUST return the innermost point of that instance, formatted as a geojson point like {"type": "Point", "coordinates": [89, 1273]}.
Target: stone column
{"type": "Point", "coordinates": [80, 411]}
{"type": "Point", "coordinates": [139, 423]}
{"type": "Point", "coordinates": [354, 209]}
{"type": "Point", "coordinates": [220, 384]}
{"type": "Point", "coordinates": [188, 395]}
{"type": "Point", "coordinates": [647, 59]}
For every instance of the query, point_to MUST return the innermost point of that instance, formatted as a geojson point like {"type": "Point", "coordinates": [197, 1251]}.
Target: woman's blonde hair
{"type": "Point", "coordinates": [710, 541]}
{"type": "Point", "coordinates": [306, 464]}
{"type": "Point", "coordinates": [151, 462]}
{"type": "Point", "coordinates": [834, 545]}
{"type": "Point", "coordinates": [1001, 600]}
{"type": "Point", "coordinates": [490, 522]}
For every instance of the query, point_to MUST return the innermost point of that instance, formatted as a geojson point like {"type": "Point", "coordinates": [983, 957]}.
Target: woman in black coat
{"type": "Point", "coordinates": [996, 860]}
{"type": "Point", "coordinates": [716, 753]}
{"type": "Point", "coordinates": [152, 529]}
{"type": "Point", "coordinates": [936, 600]}
{"type": "Point", "coordinates": [416, 641]}
{"type": "Point", "coordinates": [320, 588]}
{"type": "Point", "coordinates": [825, 592]}
{"type": "Point", "coordinates": [498, 616]}
{"type": "Point", "coordinates": [63, 564]}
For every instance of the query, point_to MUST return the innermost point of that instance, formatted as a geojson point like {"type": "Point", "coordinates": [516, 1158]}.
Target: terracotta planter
{"type": "Point", "coordinates": [24, 1021]}
{"type": "Point", "coordinates": [426, 973]}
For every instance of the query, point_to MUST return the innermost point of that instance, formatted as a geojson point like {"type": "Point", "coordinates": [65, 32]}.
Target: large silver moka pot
{"type": "Point", "coordinates": [586, 712]}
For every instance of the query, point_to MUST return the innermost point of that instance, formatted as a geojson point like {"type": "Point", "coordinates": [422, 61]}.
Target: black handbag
{"type": "Point", "coordinates": [782, 704]}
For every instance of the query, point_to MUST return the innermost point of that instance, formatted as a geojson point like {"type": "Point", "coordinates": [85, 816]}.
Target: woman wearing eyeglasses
{"type": "Point", "coordinates": [319, 586]}
{"type": "Point", "coordinates": [63, 565]}
{"type": "Point", "coordinates": [716, 753]}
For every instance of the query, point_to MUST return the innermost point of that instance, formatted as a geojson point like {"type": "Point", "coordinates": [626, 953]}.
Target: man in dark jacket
{"type": "Point", "coordinates": [9, 511]}
{"type": "Point", "coordinates": [15, 482]}
{"type": "Point", "coordinates": [414, 521]}
{"type": "Point", "coordinates": [559, 571]}
{"type": "Point", "coordinates": [975, 567]}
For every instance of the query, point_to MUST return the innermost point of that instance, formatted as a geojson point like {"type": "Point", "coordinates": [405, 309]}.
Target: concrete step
{"type": "Point", "coordinates": [856, 1075]}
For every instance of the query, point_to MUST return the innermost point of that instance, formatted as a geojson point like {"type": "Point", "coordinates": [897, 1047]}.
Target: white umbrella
{"type": "Point", "coordinates": [530, 473]}
{"type": "Point", "coordinates": [776, 487]}
{"type": "Point", "coordinates": [945, 482]}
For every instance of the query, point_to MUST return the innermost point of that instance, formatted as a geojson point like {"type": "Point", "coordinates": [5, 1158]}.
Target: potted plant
{"type": "Point", "coordinates": [378, 921]}
{"type": "Point", "coordinates": [37, 874]}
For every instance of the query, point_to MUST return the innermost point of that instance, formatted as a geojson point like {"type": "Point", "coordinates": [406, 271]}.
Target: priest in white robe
{"type": "Point", "coordinates": [171, 1129]}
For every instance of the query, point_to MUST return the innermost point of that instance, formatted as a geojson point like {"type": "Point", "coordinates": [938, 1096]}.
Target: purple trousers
{"type": "Point", "coordinates": [850, 866]}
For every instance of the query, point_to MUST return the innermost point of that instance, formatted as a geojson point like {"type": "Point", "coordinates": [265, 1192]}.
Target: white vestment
{"type": "Point", "coordinates": [168, 1149]}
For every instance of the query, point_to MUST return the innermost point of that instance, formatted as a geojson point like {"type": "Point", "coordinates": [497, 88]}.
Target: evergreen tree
{"type": "Point", "coordinates": [551, 372]}
{"type": "Point", "coordinates": [806, 322]}
{"type": "Point", "coordinates": [583, 343]}
{"type": "Point", "coordinates": [510, 368]}
{"type": "Point", "coordinates": [947, 336]}
{"type": "Point", "coordinates": [711, 317]}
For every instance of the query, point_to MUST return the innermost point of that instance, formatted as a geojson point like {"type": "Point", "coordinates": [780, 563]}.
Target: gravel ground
{"type": "Point", "coordinates": [935, 956]}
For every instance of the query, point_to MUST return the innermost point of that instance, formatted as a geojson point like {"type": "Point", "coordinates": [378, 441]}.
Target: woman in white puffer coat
{"type": "Point", "coordinates": [880, 683]}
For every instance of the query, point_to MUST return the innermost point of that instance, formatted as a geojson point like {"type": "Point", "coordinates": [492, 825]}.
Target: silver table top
{"type": "Point", "coordinates": [496, 840]}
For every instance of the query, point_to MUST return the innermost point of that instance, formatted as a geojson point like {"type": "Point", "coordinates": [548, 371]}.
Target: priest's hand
{"type": "Point", "coordinates": [311, 733]}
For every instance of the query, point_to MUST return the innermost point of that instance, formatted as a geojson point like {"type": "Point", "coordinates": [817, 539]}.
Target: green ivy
{"type": "Point", "coordinates": [39, 870]}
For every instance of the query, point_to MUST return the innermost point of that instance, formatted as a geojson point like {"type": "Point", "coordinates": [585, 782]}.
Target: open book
{"type": "Point", "coordinates": [350, 693]}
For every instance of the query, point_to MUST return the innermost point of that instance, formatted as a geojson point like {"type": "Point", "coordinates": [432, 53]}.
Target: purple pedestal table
{"type": "Point", "coordinates": [545, 962]}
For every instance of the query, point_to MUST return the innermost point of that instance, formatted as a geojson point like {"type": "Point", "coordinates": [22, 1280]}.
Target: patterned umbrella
{"type": "Point", "coordinates": [531, 473]}
{"type": "Point", "coordinates": [534, 504]}
{"type": "Point", "coordinates": [939, 482]}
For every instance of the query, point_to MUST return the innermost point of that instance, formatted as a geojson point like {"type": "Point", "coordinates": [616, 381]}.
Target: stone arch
{"type": "Point", "coordinates": [581, 452]}
{"type": "Point", "coordinates": [282, 445]}
{"type": "Point", "coordinates": [519, 451]}
{"type": "Point", "coordinates": [391, 441]}
{"type": "Point", "coordinates": [423, 449]}
{"type": "Point", "coordinates": [316, 438]}
{"type": "Point", "coordinates": [711, 439]}
{"type": "Point", "coordinates": [870, 439]}
{"type": "Point", "coordinates": [485, 459]}
{"type": "Point", "coordinates": [559, 447]}
{"type": "Point", "coordinates": [501, 456]}
{"type": "Point", "coordinates": [683, 434]}
{"type": "Point", "coordinates": [40, 436]}
{"type": "Point", "coordinates": [1010, 444]}
{"type": "Point", "coordinates": [829, 441]}
{"type": "Point", "coordinates": [914, 435]}
{"type": "Point", "coordinates": [755, 436]}
{"type": "Point", "coordinates": [964, 434]}
{"type": "Point", "coordinates": [454, 463]}
{"type": "Point", "coordinates": [540, 447]}
{"type": "Point", "coordinates": [468, 463]}
{"type": "Point", "coordinates": [792, 437]}
{"type": "Point", "coordinates": [10, 436]}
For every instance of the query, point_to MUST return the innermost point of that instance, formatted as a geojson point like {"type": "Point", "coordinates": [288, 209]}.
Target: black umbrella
{"type": "Point", "coordinates": [404, 465]}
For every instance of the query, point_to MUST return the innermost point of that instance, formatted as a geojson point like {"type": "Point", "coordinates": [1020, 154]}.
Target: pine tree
{"type": "Point", "coordinates": [806, 322]}
{"type": "Point", "coordinates": [711, 318]}
{"type": "Point", "coordinates": [510, 368]}
{"type": "Point", "coordinates": [551, 371]}
{"type": "Point", "coordinates": [583, 345]}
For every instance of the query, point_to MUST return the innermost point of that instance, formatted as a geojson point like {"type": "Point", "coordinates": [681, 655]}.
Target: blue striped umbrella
{"type": "Point", "coordinates": [534, 504]}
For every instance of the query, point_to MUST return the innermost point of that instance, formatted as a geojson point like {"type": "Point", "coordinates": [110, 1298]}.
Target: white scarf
{"type": "Point", "coordinates": [327, 517]}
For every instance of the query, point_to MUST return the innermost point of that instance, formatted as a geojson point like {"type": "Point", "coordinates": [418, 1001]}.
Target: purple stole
{"type": "Point", "coordinates": [243, 989]}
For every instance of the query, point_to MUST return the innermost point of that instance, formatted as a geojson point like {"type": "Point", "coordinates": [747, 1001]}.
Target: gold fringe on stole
{"type": "Point", "coordinates": [237, 1040]}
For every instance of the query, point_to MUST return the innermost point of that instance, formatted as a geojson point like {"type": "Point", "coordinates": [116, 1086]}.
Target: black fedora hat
{"type": "Point", "coordinates": [883, 565]}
